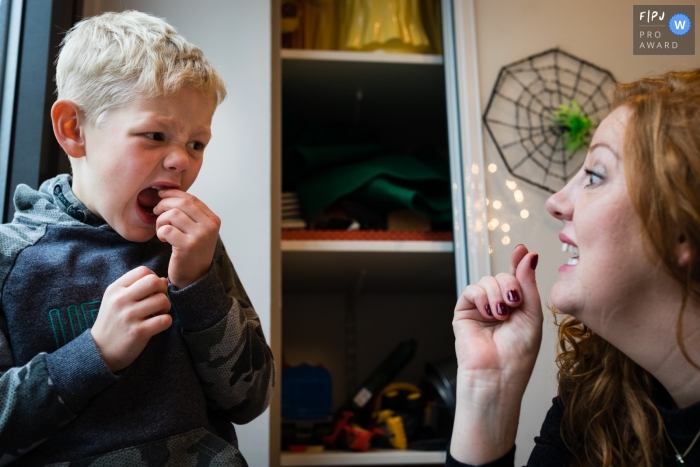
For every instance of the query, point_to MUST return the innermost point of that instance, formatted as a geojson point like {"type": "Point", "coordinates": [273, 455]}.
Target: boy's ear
{"type": "Point", "coordinates": [682, 251]}
{"type": "Point", "coordinates": [67, 122]}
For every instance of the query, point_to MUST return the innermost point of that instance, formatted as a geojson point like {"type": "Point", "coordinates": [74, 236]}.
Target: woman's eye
{"type": "Point", "coordinates": [155, 136]}
{"type": "Point", "coordinates": [196, 145]}
{"type": "Point", "coordinates": [593, 177]}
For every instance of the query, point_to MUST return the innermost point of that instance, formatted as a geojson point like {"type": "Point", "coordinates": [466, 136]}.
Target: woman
{"type": "Point", "coordinates": [629, 374]}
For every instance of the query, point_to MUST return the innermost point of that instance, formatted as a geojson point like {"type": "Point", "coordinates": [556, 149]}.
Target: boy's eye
{"type": "Point", "coordinates": [155, 136]}
{"type": "Point", "coordinates": [196, 145]}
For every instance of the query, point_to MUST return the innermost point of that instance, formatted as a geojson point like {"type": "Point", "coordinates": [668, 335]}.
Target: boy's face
{"type": "Point", "coordinates": [155, 142]}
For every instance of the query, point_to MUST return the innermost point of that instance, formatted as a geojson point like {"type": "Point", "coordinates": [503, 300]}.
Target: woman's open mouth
{"type": "Point", "coordinates": [573, 261]}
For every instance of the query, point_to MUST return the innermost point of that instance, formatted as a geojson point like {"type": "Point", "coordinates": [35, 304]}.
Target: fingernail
{"type": "Point", "coordinates": [516, 246]}
{"type": "Point", "coordinates": [488, 310]}
{"type": "Point", "coordinates": [502, 310]}
{"type": "Point", "coordinates": [513, 296]}
{"type": "Point", "coordinates": [533, 261]}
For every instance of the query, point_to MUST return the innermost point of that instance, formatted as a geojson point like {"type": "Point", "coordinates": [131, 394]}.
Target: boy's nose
{"type": "Point", "coordinates": [177, 159]}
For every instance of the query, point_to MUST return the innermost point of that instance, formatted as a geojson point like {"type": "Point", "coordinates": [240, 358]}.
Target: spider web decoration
{"type": "Point", "coordinates": [522, 111]}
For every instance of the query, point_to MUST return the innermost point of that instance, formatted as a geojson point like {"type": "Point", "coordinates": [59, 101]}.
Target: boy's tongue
{"type": "Point", "coordinates": [148, 198]}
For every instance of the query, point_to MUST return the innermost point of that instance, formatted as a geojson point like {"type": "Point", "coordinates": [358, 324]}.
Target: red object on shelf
{"type": "Point", "coordinates": [369, 235]}
{"type": "Point", "coordinates": [351, 436]}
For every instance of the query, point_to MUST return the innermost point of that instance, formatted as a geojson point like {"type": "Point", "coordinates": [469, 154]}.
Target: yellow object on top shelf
{"type": "Point", "coordinates": [392, 25]}
{"type": "Point", "coordinates": [395, 26]}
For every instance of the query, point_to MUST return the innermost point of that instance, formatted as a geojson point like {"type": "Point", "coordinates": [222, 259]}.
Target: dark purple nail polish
{"type": "Point", "coordinates": [488, 310]}
{"type": "Point", "coordinates": [516, 246]}
{"type": "Point", "coordinates": [502, 310]}
{"type": "Point", "coordinates": [533, 261]}
{"type": "Point", "coordinates": [513, 296]}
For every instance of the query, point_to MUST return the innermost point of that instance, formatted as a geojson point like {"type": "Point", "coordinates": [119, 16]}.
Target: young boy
{"type": "Point", "coordinates": [127, 338]}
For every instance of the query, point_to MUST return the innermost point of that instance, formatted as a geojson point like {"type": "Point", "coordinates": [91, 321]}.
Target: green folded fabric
{"type": "Point", "coordinates": [328, 186]}
{"type": "Point", "coordinates": [387, 195]}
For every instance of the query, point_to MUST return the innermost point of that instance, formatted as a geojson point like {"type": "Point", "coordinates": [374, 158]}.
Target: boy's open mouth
{"type": "Point", "coordinates": [147, 200]}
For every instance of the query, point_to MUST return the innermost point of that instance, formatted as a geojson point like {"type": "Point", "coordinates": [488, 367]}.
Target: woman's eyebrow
{"type": "Point", "coordinates": [605, 145]}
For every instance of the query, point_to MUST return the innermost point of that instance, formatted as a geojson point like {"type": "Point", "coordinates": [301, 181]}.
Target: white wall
{"type": "Point", "coordinates": [599, 31]}
{"type": "Point", "coordinates": [235, 181]}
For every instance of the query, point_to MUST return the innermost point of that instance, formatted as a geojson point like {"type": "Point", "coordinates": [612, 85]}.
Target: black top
{"type": "Point", "coordinates": [681, 424]}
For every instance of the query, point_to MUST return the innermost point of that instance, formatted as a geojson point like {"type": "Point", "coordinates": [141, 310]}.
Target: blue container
{"type": "Point", "coordinates": [307, 393]}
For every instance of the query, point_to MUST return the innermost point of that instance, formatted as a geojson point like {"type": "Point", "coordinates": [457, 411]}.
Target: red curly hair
{"type": "Point", "coordinates": [609, 417]}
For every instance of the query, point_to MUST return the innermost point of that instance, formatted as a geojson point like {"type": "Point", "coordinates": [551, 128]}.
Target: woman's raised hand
{"type": "Point", "coordinates": [498, 329]}
{"type": "Point", "coordinates": [498, 321]}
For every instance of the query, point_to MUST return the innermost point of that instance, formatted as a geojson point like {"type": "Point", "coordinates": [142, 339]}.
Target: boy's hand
{"type": "Point", "coordinates": [134, 308]}
{"type": "Point", "coordinates": [192, 229]}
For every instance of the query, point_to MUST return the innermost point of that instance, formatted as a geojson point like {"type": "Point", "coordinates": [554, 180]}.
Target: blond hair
{"type": "Point", "coordinates": [609, 416]}
{"type": "Point", "coordinates": [112, 59]}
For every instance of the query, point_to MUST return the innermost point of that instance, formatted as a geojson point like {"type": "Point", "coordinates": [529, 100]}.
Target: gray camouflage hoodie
{"type": "Point", "coordinates": [59, 404]}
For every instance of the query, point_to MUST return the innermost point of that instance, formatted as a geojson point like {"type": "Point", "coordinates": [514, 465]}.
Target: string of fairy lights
{"type": "Point", "coordinates": [494, 224]}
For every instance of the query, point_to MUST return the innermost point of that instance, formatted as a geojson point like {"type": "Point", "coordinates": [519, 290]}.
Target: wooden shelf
{"type": "Point", "coordinates": [373, 457]}
{"type": "Point", "coordinates": [348, 56]}
{"type": "Point", "coordinates": [368, 246]}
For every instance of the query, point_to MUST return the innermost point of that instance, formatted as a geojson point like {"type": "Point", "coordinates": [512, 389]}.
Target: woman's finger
{"type": "Point", "coordinates": [510, 289]}
{"type": "Point", "coordinates": [519, 252]}
{"type": "Point", "coordinates": [525, 274]}
{"type": "Point", "coordinates": [497, 306]}
{"type": "Point", "coordinates": [474, 298]}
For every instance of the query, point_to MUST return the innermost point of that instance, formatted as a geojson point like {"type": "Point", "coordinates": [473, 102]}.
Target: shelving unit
{"type": "Point", "coordinates": [396, 289]}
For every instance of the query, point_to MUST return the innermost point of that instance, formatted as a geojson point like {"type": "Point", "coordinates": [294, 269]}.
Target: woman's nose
{"type": "Point", "coordinates": [560, 204]}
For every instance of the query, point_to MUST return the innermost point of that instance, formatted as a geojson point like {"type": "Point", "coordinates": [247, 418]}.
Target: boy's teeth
{"type": "Point", "coordinates": [572, 261]}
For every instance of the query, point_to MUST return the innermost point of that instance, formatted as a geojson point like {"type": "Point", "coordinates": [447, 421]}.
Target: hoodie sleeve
{"type": "Point", "coordinates": [226, 342]}
{"type": "Point", "coordinates": [39, 398]}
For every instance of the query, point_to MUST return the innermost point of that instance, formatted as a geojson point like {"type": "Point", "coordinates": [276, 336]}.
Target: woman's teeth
{"type": "Point", "coordinates": [566, 247]}
{"type": "Point", "coordinates": [573, 261]}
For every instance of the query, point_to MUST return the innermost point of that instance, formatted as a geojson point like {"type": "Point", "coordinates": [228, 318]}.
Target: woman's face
{"type": "Point", "coordinates": [610, 272]}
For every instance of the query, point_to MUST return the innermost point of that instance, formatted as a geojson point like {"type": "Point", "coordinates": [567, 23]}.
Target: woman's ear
{"type": "Point", "coordinates": [67, 121]}
{"type": "Point", "coordinates": [682, 251]}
